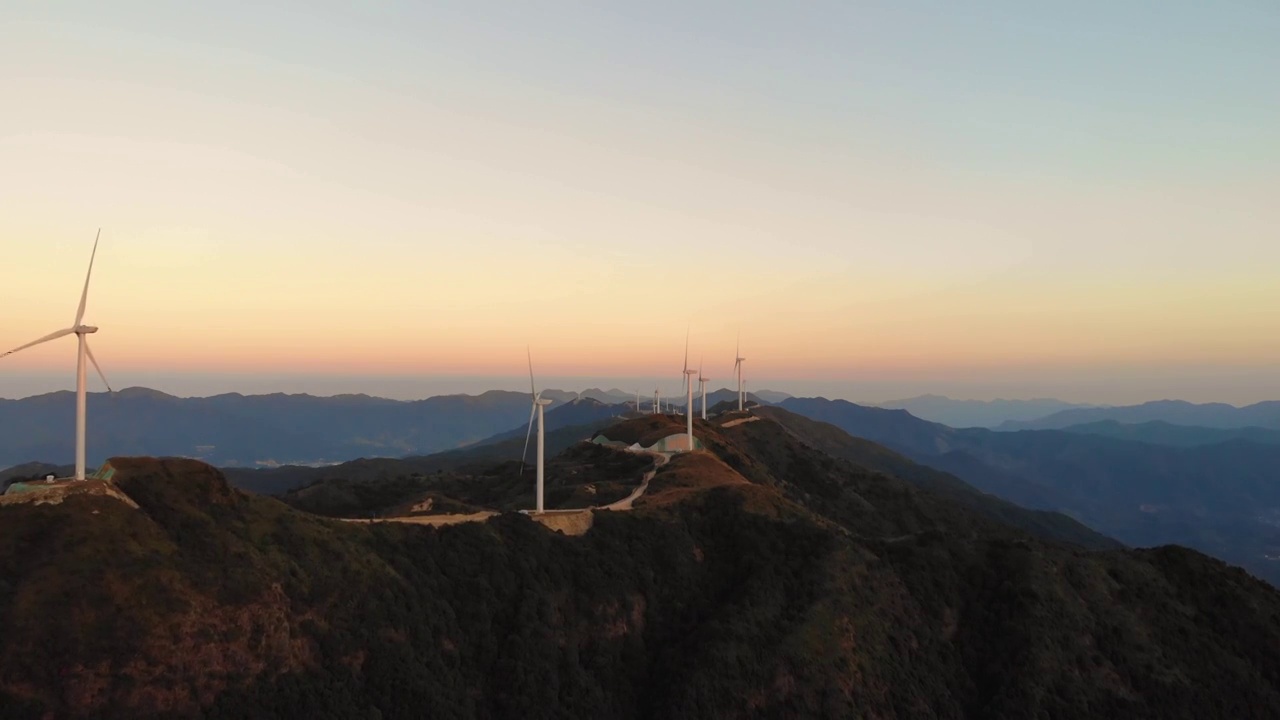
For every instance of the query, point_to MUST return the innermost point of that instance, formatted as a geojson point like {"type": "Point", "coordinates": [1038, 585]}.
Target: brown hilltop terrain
{"type": "Point", "coordinates": [786, 571]}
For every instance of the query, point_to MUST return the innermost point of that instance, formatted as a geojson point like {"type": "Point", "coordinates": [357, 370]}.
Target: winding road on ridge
{"type": "Point", "coordinates": [547, 518]}
{"type": "Point", "coordinates": [625, 503]}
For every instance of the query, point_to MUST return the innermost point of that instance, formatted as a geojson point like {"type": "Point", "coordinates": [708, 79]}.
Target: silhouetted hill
{"type": "Point", "coordinates": [897, 429]}
{"type": "Point", "coordinates": [1163, 433]}
{"type": "Point", "coordinates": [1175, 412]}
{"type": "Point", "coordinates": [31, 471]}
{"type": "Point", "coordinates": [836, 442]}
{"type": "Point", "coordinates": [1221, 499]}
{"type": "Point", "coordinates": [246, 430]}
{"type": "Point", "coordinates": [763, 578]}
{"type": "Point", "coordinates": [582, 411]}
{"type": "Point", "coordinates": [612, 396]}
{"type": "Point", "coordinates": [977, 413]}
{"type": "Point", "coordinates": [726, 395]}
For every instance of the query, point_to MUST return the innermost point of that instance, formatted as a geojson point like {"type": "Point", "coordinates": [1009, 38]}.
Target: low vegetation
{"type": "Point", "coordinates": [764, 579]}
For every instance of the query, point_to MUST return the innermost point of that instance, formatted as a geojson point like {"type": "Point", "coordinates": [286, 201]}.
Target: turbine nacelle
{"type": "Point", "coordinates": [84, 329]}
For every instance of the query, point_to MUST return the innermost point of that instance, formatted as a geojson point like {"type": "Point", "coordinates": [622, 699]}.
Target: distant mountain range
{"type": "Point", "coordinates": [1177, 412]}
{"type": "Point", "coordinates": [270, 430]}
{"type": "Point", "coordinates": [1222, 499]}
{"type": "Point", "coordinates": [977, 413]}
{"type": "Point", "coordinates": [1163, 433]}
{"type": "Point", "coordinates": [255, 430]}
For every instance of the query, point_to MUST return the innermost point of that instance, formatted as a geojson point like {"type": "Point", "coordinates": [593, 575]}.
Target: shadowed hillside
{"type": "Point", "coordinates": [1218, 498]}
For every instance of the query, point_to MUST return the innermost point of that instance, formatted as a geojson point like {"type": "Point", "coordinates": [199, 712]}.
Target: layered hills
{"type": "Point", "coordinates": [256, 430]}
{"type": "Point", "coordinates": [1220, 498]}
{"type": "Point", "coordinates": [786, 571]}
{"type": "Point", "coordinates": [977, 413]}
{"type": "Point", "coordinates": [1177, 412]}
{"type": "Point", "coordinates": [251, 431]}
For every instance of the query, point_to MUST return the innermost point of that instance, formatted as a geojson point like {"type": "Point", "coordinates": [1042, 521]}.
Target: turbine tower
{"type": "Point", "coordinates": [657, 407]}
{"type": "Point", "coordinates": [538, 405]}
{"type": "Point", "coordinates": [737, 368]}
{"type": "Point", "coordinates": [688, 384]}
{"type": "Point", "coordinates": [83, 353]}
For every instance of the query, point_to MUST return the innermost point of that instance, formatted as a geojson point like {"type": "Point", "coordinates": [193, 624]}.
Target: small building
{"type": "Point", "coordinates": [106, 472]}
{"type": "Point", "coordinates": [674, 443]}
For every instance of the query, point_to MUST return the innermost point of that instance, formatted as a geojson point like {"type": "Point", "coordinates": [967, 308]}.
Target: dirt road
{"type": "Point", "coordinates": [574, 521]}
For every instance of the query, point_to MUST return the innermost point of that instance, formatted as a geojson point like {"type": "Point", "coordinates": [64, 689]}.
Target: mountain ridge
{"type": "Point", "coordinates": [978, 413]}
{"type": "Point", "coordinates": [1265, 414]}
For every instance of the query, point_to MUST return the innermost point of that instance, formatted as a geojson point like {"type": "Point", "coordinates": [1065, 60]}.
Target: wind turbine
{"type": "Point", "coordinates": [637, 401]}
{"type": "Point", "coordinates": [702, 388]}
{"type": "Point", "coordinates": [538, 405]}
{"type": "Point", "coordinates": [83, 353]}
{"type": "Point", "coordinates": [688, 384]}
{"type": "Point", "coordinates": [737, 368]}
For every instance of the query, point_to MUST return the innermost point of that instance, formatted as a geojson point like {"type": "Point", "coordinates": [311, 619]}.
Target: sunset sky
{"type": "Point", "coordinates": [884, 198]}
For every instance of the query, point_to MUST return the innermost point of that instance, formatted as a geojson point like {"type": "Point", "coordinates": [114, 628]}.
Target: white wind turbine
{"type": "Point", "coordinates": [737, 368]}
{"type": "Point", "coordinates": [80, 331]}
{"type": "Point", "coordinates": [688, 384]}
{"type": "Point", "coordinates": [657, 407]}
{"type": "Point", "coordinates": [538, 405]}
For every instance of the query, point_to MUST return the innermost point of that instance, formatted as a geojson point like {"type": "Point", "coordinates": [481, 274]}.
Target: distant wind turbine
{"type": "Point", "coordinates": [688, 385]}
{"type": "Point", "coordinates": [538, 405]}
{"type": "Point", "coordinates": [737, 368]}
{"type": "Point", "coordinates": [83, 353]}
{"type": "Point", "coordinates": [657, 403]}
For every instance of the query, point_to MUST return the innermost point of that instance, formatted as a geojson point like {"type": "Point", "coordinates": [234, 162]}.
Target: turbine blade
{"type": "Point", "coordinates": [532, 411]}
{"type": "Point", "coordinates": [533, 392]}
{"type": "Point", "coordinates": [686, 351]}
{"type": "Point", "coordinates": [84, 297]}
{"type": "Point", "coordinates": [45, 339]}
{"type": "Point", "coordinates": [89, 351]}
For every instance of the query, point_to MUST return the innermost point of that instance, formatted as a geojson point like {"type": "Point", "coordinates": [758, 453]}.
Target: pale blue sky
{"type": "Point", "coordinates": [945, 194]}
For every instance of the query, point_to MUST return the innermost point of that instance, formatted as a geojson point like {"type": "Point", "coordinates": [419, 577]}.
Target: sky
{"type": "Point", "coordinates": [881, 199]}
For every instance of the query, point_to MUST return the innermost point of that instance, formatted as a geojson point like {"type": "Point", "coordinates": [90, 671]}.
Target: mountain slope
{"type": "Point", "coordinates": [835, 442]}
{"type": "Point", "coordinates": [1221, 499]}
{"type": "Point", "coordinates": [762, 579]}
